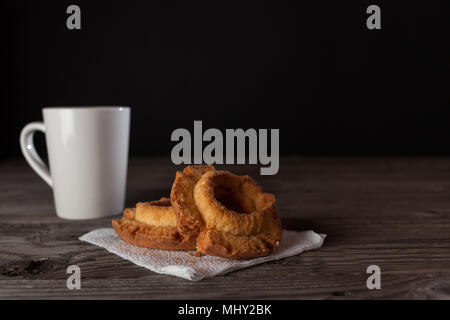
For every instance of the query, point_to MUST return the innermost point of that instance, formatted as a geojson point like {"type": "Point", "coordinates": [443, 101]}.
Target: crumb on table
{"type": "Point", "coordinates": [195, 254]}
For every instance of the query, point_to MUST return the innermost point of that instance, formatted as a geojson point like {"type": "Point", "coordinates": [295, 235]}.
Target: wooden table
{"type": "Point", "coordinates": [391, 212]}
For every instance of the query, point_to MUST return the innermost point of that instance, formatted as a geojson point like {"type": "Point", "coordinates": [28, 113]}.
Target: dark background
{"type": "Point", "coordinates": [313, 70]}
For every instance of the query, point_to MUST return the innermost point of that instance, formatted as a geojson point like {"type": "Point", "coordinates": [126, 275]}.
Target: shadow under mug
{"type": "Point", "coordinates": [88, 156]}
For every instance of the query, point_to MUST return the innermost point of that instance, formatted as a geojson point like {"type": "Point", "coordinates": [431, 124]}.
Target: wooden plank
{"type": "Point", "coordinates": [393, 212]}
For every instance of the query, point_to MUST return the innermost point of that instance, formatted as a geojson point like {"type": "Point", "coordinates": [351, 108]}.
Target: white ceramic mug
{"type": "Point", "coordinates": [88, 157]}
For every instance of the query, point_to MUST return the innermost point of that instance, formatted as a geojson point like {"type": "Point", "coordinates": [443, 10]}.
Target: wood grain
{"type": "Point", "coordinates": [392, 212]}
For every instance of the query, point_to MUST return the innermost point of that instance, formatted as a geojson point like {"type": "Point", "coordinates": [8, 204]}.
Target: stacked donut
{"type": "Point", "coordinates": [212, 211]}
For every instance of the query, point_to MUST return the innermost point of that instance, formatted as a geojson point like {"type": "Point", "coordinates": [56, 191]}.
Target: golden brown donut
{"type": "Point", "coordinates": [156, 213]}
{"type": "Point", "coordinates": [239, 220]}
{"type": "Point", "coordinates": [152, 225]}
{"type": "Point", "coordinates": [189, 219]}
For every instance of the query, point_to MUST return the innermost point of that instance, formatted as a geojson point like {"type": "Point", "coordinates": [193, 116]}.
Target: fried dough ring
{"type": "Point", "coordinates": [189, 219]}
{"type": "Point", "coordinates": [152, 225]}
{"type": "Point", "coordinates": [240, 221]}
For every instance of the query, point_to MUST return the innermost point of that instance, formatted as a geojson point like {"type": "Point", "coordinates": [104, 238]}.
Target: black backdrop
{"type": "Point", "coordinates": [313, 70]}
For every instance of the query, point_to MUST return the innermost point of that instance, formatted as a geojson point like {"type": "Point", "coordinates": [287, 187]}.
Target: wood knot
{"type": "Point", "coordinates": [343, 293]}
{"type": "Point", "coordinates": [437, 290]}
{"type": "Point", "coordinates": [24, 268]}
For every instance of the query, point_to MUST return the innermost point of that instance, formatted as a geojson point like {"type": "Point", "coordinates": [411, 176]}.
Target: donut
{"type": "Point", "coordinates": [189, 219]}
{"type": "Point", "coordinates": [156, 213]}
{"type": "Point", "coordinates": [152, 225]}
{"type": "Point", "coordinates": [239, 220]}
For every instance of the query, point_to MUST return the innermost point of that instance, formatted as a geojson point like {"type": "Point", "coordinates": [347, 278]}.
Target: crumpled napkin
{"type": "Point", "coordinates": [184, 265]}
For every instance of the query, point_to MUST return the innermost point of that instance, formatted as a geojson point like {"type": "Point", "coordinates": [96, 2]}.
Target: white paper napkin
{"type": "Point", "coordinates": [184, 265]}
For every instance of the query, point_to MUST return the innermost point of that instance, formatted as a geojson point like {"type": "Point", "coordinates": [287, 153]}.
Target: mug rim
{"type": "Point", "coordinates": [97, 108]}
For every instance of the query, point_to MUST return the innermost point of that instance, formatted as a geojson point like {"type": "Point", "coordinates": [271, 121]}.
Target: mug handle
{"type": "Point", "coordinates": [30, 153]}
